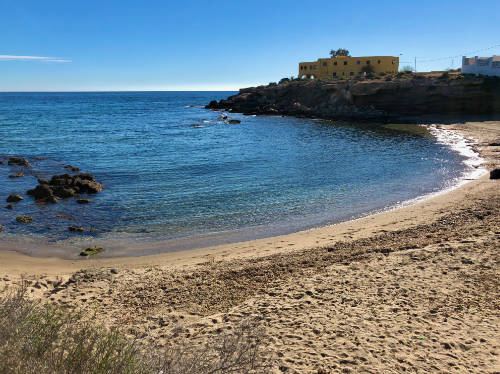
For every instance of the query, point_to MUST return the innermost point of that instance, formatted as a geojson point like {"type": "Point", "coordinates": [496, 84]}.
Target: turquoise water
{"type": "Point", "coordinates": [172, 169]}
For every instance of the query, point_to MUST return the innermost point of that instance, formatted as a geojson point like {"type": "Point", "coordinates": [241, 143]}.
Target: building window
{"type": "Point", "coordinates": [324, 63]}
{"type": "Point", "coordinates": [351, 73]}
{"type": "Point", "coordinates": [310, 67]}
{"type": "Point", "coordinates": [343, 73]}
{"type": "Point", "coordinates": [358, 62]}
{"type": "Point", "coordinates": [378, 62]}
{"type": "Point", "coordinates": [335, 63]}
{"type": "Point", "coordinates": [345, 62]}
{"type": "Point", "coordinates": [367, 62]}
{"type": "Point", "coordinates": [334, 74]}
{"type": "Point", "coordinates": [393, 62]}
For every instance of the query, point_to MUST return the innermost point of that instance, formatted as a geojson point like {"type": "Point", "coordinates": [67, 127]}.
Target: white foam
{"type": "Point", "coordinates": [463, 146]}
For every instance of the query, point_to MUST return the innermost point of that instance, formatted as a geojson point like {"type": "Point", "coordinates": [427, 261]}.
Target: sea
{"type": "Point", "coordinates": [176, 173]}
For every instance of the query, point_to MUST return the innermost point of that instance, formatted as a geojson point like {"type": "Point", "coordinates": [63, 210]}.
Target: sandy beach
{"type": "Point", "coordinates": [415, 289]}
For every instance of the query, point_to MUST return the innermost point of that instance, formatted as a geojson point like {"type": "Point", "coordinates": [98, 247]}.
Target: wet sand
{"type": "Point", "coordinates": [414, 289]}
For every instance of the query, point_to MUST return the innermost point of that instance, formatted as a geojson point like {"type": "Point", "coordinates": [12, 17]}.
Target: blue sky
{"type": "Point", "coordinates": [223, 45]}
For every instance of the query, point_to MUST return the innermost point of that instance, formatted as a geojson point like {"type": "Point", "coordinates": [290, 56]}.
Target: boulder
{"type": "Point", "coordinates": [86, 176]}
{"type": "Point", "coordinates": [43, 181]}
{"type": "Point", "coordinates": [24, 219]}
{"type": "Point", "coordinates": [52, 199]}
{"type": "Point", "coordinates": [61, 180]}
{"type": "Point", "coordinates": [9, 206]}
{"type": "Point", "coordinates": [63, 192]}
{"type": "Point", "coordinates": [17, 175]}
{"type": "Point", "coordinates": [495, 173]}
{"type": "Point", "coordinates": [18, 161]}
{"type": "Point", "coordinates": [42, 191]}
{"type": "Point", "coordinates": [233, 121]}
{"type": "Point", "coordinates": [14, 198]}
{"type": "Point", "coordinates": [83, 201]}
{"type": "Point", "coordinates": [87, 186]}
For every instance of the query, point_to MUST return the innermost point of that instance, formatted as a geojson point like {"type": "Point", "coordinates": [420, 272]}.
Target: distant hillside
{"type": "Point", "coordinates": [397, 97]}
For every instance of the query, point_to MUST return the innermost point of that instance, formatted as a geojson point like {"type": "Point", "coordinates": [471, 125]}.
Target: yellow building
{"type": "Point", "coordinates": [347, 67]}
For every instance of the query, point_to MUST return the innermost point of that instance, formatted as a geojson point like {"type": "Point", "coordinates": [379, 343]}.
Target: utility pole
{"type": "Point", "coordinates": [415, 64]}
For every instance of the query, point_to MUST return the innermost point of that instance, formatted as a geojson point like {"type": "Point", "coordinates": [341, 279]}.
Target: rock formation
{"type": "Point", "coordinates": [403, 97]}
{"type": "Point", "coordinates": [64, 186]}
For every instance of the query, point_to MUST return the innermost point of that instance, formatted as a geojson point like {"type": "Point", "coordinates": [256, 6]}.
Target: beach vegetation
{"type": "Point", "coordinates": [42, 338]}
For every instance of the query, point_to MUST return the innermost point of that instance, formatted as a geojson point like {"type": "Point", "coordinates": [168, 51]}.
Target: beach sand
{"type": "Point", "coordinates": [414, 289]}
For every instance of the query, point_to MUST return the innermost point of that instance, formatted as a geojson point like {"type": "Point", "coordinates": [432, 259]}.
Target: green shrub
{"type": "Point", "coordinates": [39, 338]}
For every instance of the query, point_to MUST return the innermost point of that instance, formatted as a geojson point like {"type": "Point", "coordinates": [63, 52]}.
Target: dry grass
{"type": "Point", "coordinates": [41, 338]}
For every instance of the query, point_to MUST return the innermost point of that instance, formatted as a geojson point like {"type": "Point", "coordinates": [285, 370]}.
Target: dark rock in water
{"type": "Point", "coordinates": [91, 251]}
{"type": "Point", "coordinates": [61, 180]}
{"type": "Point", "coordinates": [63, 192]}
{"type": "Point", "coordinates": [24, 219]}
{"type": "Point", "coordinates": [76, 228]}
{"type": "Point", "coordinates": [17, 175]}
{"type": "Point", "coordinates": [495, 173]}
{"type": "Point", "coordinates": [52, 199]}
{"type": "Point", "coordinates": [222, 116]}
{"type": "Point", "coordinates": [75, 169]}
{"type": "Point", "coordinates": [18, 161]}
{"type": "Point", "coordinates": [87, 186]}
{"type": "Point", "coordinates": [9, 206]}
{"type": "Point", "coordinates": [233, 121]}
{"type": "Point", "coordinates": [43, 181]}
{"type": "Point", "coordinates": [83, 201]}
{"type": "Point", "coordinates": [86, 176]}
{"type": "Point", "coordinates": [14, 198]}
{"type": "Point", "coordinates": [42, 191]}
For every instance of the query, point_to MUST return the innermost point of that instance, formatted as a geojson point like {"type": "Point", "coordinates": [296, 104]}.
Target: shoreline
{"type": "Point", "coordinates": [416, 289]}
{"type": "Point", "coordinates": [311, 237]}
{"type": "Point", "coordinates": [116, 248]}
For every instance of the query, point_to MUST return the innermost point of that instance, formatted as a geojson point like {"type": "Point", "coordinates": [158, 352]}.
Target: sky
{"type": "Point", "coordinates": [224, 45]}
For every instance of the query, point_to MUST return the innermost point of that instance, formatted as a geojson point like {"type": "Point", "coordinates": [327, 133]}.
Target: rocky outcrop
{"type": "Point", "coordinates": [64, 186]}
{"type": "Point", "coordinates": [404, 97]}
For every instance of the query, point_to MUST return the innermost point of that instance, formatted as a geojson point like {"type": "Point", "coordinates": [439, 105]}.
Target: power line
{"type": "Point", "coordinates": [460, 55]}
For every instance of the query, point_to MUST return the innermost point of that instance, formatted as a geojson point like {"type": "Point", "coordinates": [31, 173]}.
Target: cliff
{"type": "Point", "coordinates": [401, 97]}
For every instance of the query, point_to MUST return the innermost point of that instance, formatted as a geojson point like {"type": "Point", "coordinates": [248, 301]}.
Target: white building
{"type": "Point", "coordinates": [481, 65]}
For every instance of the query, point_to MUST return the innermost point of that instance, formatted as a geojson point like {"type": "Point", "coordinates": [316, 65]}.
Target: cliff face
{"type": "Point", "coordinates": [408, 98]}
